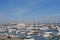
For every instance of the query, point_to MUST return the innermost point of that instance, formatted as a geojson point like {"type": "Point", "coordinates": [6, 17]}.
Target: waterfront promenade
{"type": "Point", "coordinates": [4, 37]}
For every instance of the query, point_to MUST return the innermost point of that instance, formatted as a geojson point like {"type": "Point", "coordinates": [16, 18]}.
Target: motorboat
{"type": "Point", "coordinates": [30, 39]}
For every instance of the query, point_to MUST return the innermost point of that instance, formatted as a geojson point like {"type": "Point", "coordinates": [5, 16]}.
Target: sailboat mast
{"type": "Point", "coordinates": [36, 22]}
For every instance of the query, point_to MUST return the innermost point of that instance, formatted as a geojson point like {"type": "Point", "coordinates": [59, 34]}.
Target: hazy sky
{"type": "Point", "coordinates": [29, 9]}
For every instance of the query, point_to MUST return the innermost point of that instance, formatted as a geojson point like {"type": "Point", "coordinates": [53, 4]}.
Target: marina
{"type": "Point", "coordinates": [29, 19]}
{"type": "Point", "coordinates": [37, 33]}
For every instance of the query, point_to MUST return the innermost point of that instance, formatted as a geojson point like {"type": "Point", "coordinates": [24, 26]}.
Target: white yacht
{"type": "Point", "coordinates": [47, 34]}
{"type": "Point", "coordinates": [30, 39]}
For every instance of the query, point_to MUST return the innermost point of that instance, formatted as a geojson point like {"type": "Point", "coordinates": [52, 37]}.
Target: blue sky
{"type": "Point", "coordinates": [28, 9]}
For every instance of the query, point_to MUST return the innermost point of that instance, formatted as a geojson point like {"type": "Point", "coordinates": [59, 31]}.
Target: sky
{"type": "Point", "coordinates": [16, 10]}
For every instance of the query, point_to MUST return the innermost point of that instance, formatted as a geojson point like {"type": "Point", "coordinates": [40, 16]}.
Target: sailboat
{"type": "Point", "coordinates": [36, 32]}
{"type": "Point", "coordinates": [30, 33]}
